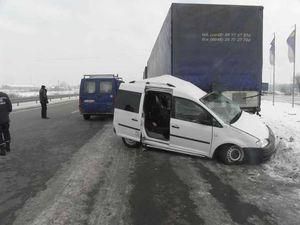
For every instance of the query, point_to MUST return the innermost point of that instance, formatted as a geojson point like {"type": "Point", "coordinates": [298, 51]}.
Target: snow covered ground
{"type": "Point", "coordinates": [285, 123]}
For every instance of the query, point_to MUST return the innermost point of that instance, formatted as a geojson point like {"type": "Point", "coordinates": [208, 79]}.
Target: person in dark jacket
{"type": "Point", "coordinates": [5, 109]}
{"type": "Point", "coordinates": [44, 101]}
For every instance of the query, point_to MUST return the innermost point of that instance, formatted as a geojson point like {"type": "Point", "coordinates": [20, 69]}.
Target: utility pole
{"type": "Point", "coordinates": [294, 74]}
{"type": "Point", "coordinates": [274, 72]}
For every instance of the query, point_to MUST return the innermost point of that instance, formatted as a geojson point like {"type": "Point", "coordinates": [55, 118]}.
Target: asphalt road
{"type": "Point", "coordinates": [69, 171]}
{"type": "Point", "coordinates": [39, 148]}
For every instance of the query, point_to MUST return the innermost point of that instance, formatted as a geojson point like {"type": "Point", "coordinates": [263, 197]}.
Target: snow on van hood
{"type": "Point", "coordinates": [251, 124]}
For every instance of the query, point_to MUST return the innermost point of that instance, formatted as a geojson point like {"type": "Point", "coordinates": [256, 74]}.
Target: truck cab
{"type": "Point", "coordinates": [97, 94]}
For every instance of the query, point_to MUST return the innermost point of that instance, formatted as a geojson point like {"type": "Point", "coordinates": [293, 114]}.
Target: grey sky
{"type": "Point", "coordinates": [43, 41]}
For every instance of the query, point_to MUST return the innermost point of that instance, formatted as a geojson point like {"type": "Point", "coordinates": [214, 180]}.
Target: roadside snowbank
{"type": "Point", "coordinates": [26, 105]}
{"type": "Point", "coordinates": [23, 94]}
{"type": "Point", "coordinates": [285, 123]}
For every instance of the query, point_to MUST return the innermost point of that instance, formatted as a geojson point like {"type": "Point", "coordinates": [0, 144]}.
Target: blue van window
{"type": "Point", "coordinates": [89, 87]}
{"type": "Point", "coordinates": [105, 87]}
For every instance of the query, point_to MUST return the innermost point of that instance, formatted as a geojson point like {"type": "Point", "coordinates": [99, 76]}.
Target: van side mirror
{"type": "Point", "coordinates": [129, 108]}
{"type": "Point", "coordinates": [209, 120]}
{"type": "Point", "coordinates": [215, 123]}
{"type": "Point", "coordinates": [206, 119]}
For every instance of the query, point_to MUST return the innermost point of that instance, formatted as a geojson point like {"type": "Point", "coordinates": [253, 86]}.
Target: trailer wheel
{"type": "Point", "coordinates": [231, 154]}
{"type": "Point", "coordinates": [131, 143]}
{"type": "Point", "coordinates": [86, 116]}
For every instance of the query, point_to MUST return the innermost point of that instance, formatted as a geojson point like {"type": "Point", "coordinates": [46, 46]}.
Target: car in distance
{"type": "Point", "coordinates": [168, 113]}
{"type": "Point", "coordinates": [97, 94]}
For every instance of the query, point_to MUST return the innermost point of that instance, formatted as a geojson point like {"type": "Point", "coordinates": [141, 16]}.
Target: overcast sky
{"type": "Point", "coordinates": [46, 41]}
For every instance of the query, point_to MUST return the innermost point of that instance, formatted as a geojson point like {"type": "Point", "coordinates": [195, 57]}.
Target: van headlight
{"type": "Point", "coordinates": [262, 143]}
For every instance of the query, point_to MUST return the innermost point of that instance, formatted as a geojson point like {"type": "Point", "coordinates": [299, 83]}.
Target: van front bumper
{"type": "Point", "coordinates": [258, 155]}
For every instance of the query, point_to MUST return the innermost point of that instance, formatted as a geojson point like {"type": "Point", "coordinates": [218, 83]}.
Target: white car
{"type": "Point", "coordinates": [168, 113]}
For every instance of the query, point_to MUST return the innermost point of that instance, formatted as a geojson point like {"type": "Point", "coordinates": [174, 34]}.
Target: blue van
{"type": "Point", "coordinates": [97, 94]}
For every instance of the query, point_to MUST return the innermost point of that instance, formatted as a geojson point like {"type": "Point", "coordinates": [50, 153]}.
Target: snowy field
{"type": "Point", "coordinates": [285, 123]}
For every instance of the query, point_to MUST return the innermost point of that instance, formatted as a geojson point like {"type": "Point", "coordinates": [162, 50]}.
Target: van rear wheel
{"type": "Point", "coordinates": [231, 154]}
{"type": "Point", "coordinates": [131, 143]}
{"type": "Point", "coordinates": [86, 116]}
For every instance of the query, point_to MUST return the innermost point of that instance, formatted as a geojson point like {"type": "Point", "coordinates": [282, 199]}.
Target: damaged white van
{"type": "Point", "coordinates": [168, 113]}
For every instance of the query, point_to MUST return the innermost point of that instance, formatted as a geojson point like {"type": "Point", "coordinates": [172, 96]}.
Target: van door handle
{"type": "Point", "coordinates": [134, 119]}
{"type": "Point", "coordinates": [175, 126]}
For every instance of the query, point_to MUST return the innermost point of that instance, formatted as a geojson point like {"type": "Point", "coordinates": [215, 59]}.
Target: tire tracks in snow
{"type": "Point", "coordinates": [218, 202]}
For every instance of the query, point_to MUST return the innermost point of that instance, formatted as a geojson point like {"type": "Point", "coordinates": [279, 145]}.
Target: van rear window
{"type": "Point", "coordinates": [89, 87]}
{"type": "Point", "coordinates": [128, 101]}
{"type": "Point", "coordinates": [105, 87]}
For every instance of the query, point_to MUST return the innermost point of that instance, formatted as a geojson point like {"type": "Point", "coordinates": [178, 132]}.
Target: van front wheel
{"type": "Point", "coordinates": [131, 143]}
{"type": "Point", "coordinates": [231, 154]}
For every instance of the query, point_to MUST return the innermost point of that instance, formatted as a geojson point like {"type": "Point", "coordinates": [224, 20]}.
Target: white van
{"type": "Point", "coordinates": [168, 113]}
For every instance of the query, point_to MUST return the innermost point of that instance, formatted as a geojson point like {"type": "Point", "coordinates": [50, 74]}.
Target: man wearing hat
{"type": "Point", "coordinates": [44, 101]}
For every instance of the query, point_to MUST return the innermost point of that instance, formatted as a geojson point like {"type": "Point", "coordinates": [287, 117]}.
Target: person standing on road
{"type": "Point", "coordinates": [5, 109]}
{"type": "Point", "coordinates": [44, 101]}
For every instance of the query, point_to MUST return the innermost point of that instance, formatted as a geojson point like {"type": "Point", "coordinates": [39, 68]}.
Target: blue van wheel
{"type": "Point", "coordinates": [86, 116]}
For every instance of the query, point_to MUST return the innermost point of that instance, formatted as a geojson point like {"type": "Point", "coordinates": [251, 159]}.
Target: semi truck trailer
{"type": "Point", "coordinates": [216, 47]}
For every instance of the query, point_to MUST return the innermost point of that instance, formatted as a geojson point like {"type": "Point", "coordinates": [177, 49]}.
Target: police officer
{"type": "Point", "coordinates": [5, 109]}
{"type": "Point", "coordinates": [44, 101]}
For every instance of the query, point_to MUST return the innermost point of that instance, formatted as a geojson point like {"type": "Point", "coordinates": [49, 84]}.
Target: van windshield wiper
{"type": "Point", "coordinates": [236, 117]}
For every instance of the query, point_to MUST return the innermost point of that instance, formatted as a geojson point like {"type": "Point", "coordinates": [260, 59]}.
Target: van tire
{"type": "Point", "coordinates": [231, 154]}
{"type": "Point", "coordinates": [86, 116]}
{"type": "Point", "coordinates": [130, 143]}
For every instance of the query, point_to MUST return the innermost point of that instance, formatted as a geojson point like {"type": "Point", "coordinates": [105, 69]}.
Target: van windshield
{"type": "Point", "coordinates": [226, 109]}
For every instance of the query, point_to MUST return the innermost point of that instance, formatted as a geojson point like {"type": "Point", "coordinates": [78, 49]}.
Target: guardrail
{"type": "Point", "coordinates": [36, 99]}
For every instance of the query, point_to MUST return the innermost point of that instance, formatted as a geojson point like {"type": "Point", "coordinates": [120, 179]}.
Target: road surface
{"type": "Point", "coordinates": [69, 171]}
{"type": "Point", "coordinates": [39, 148]}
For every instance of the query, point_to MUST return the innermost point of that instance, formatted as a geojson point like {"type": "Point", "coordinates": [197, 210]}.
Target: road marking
{"type": "Point", "coordinates": [76, 111]}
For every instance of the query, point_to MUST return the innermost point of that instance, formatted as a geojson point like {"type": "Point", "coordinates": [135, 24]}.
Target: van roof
{"type": "Point", "coordinates": [181, 88]}
{"type": "Point", "coordinates": [102, 76]}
